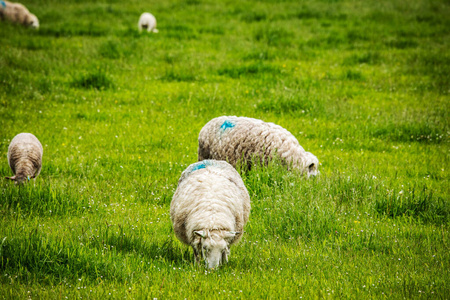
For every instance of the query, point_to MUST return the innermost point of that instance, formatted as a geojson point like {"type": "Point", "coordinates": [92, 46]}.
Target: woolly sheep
{"type": "Point", "coordinates": [147, 21]}
{"type": "Point", "coordinates": [209, 210]}
{"type": "Point", "coordinates": [17, 13]}
{"type": "Point", "coordinates": [25, 157]}
{"type": "Point", "coordinates": [234, 139]}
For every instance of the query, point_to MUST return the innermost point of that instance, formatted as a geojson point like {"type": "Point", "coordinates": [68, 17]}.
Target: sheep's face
{"type": "Point", "coordinates": [33, 21]}
{"type": "Point", "coordinates": [20, 179]}
{"type": "Point", "coordinates": [213, 247]}
{"type": "Point", "coordinates": [311, 164]}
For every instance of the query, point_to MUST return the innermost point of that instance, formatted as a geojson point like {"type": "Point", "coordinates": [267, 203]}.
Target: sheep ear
{"type": "Point", "coordinates": [200, 233]}
{"type": "Point", "coordinates": [11, 178]}
{"type": "Point", "coordinates": [231, 234]}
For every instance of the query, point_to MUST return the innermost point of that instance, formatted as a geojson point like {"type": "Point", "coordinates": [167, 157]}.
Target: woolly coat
{"type": "Point", "coordinates": [25, 156]}
{"type": "Point", "coordinates": [210, 196]}
{"type": "Point", "coordinates": [147, 21]}
{"type": "Point", "coordinates": [233, 139]}
{"type": "Point", "coordinates": [17, 13]}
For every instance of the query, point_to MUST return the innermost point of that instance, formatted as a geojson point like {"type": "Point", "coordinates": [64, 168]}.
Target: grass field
{"type": "Point", "coordinates": [364, 85]}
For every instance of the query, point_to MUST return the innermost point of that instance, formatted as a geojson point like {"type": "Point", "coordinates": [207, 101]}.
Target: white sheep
{"type": "Point", "coordinates": [209, 210]}
{"type": "Point", "coordinates": [240, 139]}
{"type": "Point", "coordinates": [147, 21]}
{"type": "Point", "coordinates": [17, 13]}
{"type": "Point", "coordinates": [25, 157]}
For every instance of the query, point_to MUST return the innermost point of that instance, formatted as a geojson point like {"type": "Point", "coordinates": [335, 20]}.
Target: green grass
{"type": "Point", "coordinates": [364, 85]}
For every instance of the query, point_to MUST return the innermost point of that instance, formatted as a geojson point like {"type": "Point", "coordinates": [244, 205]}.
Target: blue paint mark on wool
{"type": "Point", "coordinates": [3, 3]}
{"type": "Point", "coordinates": [201, 165]}
{"type": "Point", "coordinates": [227, 125]}
{"type": "Point", "coordinates": [198, 166]}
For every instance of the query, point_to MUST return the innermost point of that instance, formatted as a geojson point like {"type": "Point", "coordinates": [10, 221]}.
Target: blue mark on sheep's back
{"type": "Point", "coordinates": [227, 125]}
{"type": "Point", "coordinates": [198, 166]}
{"type": "Point", "coordinates": [3, 3]}
{"type": "Point", "coordinates": [201, 165]}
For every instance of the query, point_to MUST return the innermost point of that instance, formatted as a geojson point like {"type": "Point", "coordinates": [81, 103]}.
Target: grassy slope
{"type": "Point", "coordinates": [363, 85]}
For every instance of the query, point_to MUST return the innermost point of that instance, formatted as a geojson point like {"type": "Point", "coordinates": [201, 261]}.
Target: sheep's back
{"type": "Point", "coordinates": [210, 195]}
{"type": "Point", "coordinates": [15, 12]}
{"type": "Point", "coordinates": [234, 138]}
{"type": "Point", "coordinates": [25, 148]}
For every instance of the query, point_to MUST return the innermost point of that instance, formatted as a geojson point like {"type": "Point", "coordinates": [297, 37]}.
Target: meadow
{"type": "Point", "coordinates": [364, 85]}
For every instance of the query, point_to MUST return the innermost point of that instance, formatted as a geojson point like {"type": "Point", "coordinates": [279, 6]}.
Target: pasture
{"type": "Point", "coordinates": [364, 85]}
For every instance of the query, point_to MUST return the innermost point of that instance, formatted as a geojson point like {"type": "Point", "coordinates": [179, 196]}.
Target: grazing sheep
{"type": "Point", "coordinates": [147, 21]}
{"type": "Point", "coordinates": [25, 157]}
{"type": "Point", "coordinates": [17, 13]}
{"type": "Point", "coordinates": [209, 210]}
{"type": "Point", "coordinates": [234, 139]}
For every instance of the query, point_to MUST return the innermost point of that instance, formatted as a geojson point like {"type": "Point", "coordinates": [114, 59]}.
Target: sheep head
{"type": "Point", "coordinates": [20, 179]}
{"type": "Point", "coordinates": [311, 164]}
{"type": "Point", "coordinates": [32, 21]}
{"type": "Point", "coordinates": [213, 246]}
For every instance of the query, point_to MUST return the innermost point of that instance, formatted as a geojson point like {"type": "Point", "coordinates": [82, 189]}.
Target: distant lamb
{"type": "Point", "coordinates": [236, 139]}
{"type": "Point", "coordinates": [209, 210]}
{"type": "Point", "coordinates": [147, 21]}
{"type": "Point", "coordinates": [17, 13]}
{"type": "Point", "coordinates": [25, 157]}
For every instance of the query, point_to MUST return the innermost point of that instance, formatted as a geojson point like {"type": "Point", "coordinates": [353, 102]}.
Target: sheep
{"type": "Point", "coordinates": [25, 157]}
{"type": "Point", "coordinates": [17, 13]}
{"type": "Point", "coordinates": [147, 21]}
{"type": "Point", "coordinates": [209, 210]}
{"type": "Point", "coordinates": [241, 139]}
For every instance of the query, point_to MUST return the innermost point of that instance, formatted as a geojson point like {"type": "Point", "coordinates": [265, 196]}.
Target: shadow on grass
{"type": "Point", "coordinates": [69, 30]}
{"type": "Point", "coordinates": [166, 250]}
{"type": "Point", "coordinates": [122, 239]}
{"type": "Point", "coordinates": [177, 74]}
{"type": "Point", "coordinates": [42, 199]}
{"type": "Point", "coordinates": [33, 255]}
{"type": "Point", "coordinates": [95, 79]}
{"type": "Point", "coordinates": [422, 132]}
{"type": "Point", "coordinates": [420, 204]}
{"type": "Point", "coordinates": [249, 70]}
{"type": "Point", "coordinates": [30, 255]}
{"type": "Point", "coordinates": [180, 32]}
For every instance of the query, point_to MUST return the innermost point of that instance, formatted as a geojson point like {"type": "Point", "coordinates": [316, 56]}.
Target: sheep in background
{"type": "Point", "coordinates": [209, 210]}
{"type": "Point", "coordinates": [25, 157]}
{"type": "Point", "coordinates": [147, 21]}
{"type": "Point", "coordinates": [234, 139]}
{"type": "Point", "coordinates": [17, 13]}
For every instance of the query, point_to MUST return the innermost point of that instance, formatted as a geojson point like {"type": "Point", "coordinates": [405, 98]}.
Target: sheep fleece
{"type": "Point", "coordinates": [210, 195]}
{"type": "Point", "coordinates": [147, 21]}
{"type": "Point", "coordinates": [234, 138]}
{"type": "Point", "coordinates": [15, 12]}
{"type": "Point", "coordinates": [25, 155]}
